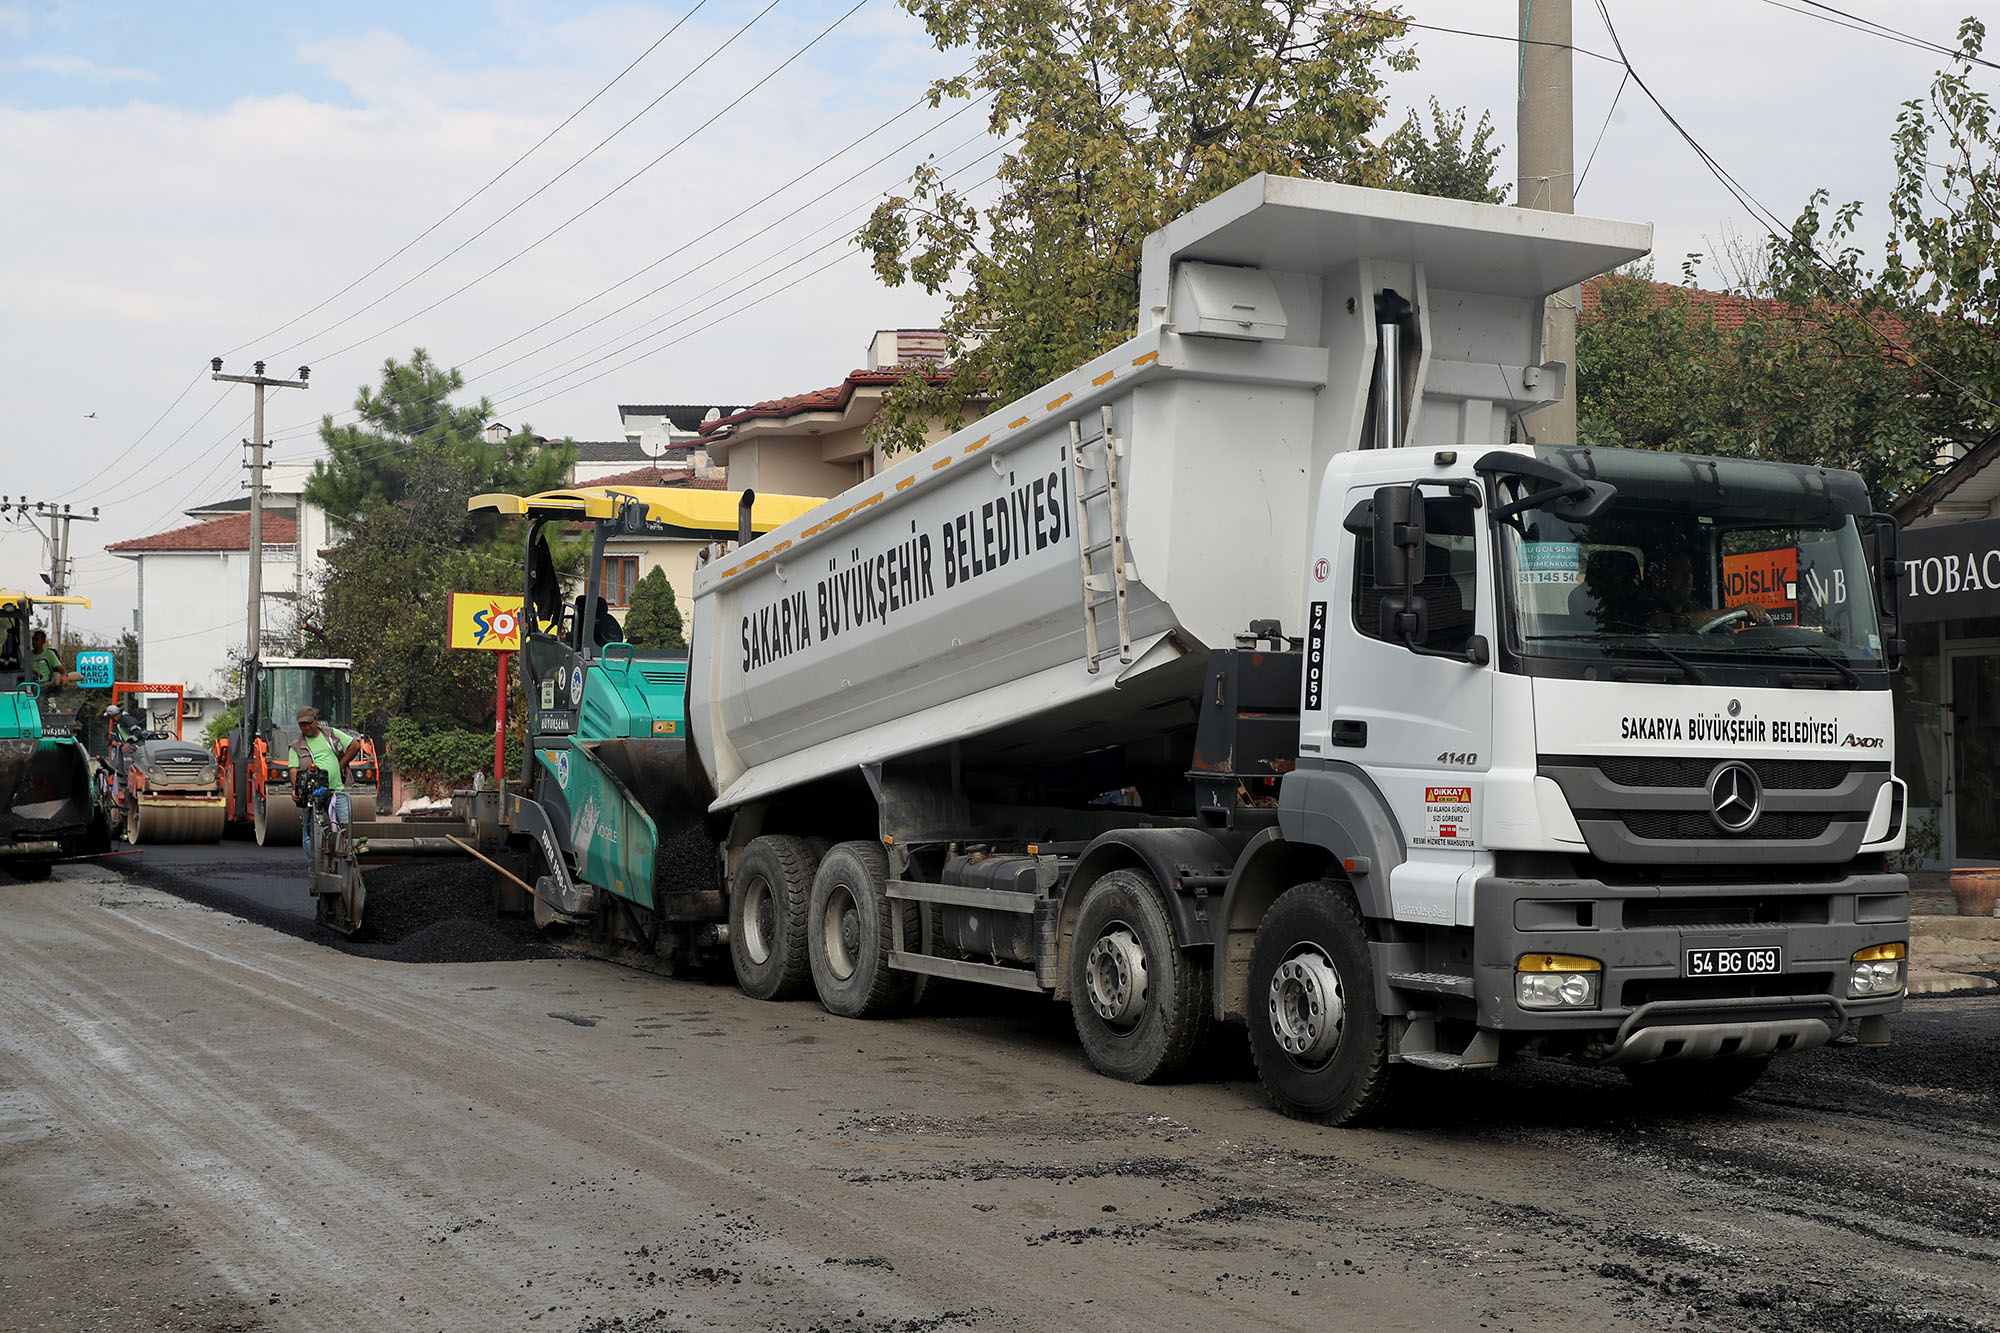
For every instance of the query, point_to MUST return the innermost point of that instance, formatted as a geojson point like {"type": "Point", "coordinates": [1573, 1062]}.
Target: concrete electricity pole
{"type": "Point", "coordinates": [57, 536]}
{"type": "Point", "coordinates": [1544, 124]}
{"type": "Point", "coordinates": [255, 641]}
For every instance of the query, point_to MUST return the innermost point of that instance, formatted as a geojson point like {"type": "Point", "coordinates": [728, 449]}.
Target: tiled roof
{"type": "Point", "coordinates": [231, 533]}
{"type": "Point", "coordinates": [653, 476]}
{"type": "Point", "coordinates": [833, 398]}
{"type": "Point", "coordinates": [1729, 310]}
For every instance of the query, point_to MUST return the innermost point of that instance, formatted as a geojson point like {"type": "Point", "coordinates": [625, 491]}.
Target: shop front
{"type": "Point", "coordinates": [1948, 695]}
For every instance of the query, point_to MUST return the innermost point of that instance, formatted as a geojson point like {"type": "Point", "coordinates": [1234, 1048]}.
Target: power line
{"type": "Point", "coordinates": [137, 483]}
{"type": "Point", "coordinates": [595, 203]}
{"type": "Point", "coordinates": [530, 388]}
{"type": "Point", "coordinates": [1584, 174]}
{"type": "Point", "coordinates": [305, 429]}
{"type": "Point", "coordinates": [699, 66]}
{"type": "Point", "coordinates": [465, 202]}
{"type": "Point", "coordinates": [1774, 225]}
{"type": "Point", "coordinates": [1840, 18]}
{"type": "Point", "coordinates": [93, 478]}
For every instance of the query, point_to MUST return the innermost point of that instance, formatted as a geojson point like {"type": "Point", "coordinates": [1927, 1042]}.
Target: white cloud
{"type": "Point", "coordinates": [76, 67]}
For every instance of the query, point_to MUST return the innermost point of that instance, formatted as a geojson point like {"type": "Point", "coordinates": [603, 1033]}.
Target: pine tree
{"type": "Point", "coordinates": [655, 618]}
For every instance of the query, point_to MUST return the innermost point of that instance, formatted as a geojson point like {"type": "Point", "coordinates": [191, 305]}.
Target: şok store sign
{"type": "Point", "coordinates": [1951, 572]}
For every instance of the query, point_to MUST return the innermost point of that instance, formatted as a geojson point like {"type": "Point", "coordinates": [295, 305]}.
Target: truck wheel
{"type": "Point", "coordinates": [29, 870]}
{"type": "Point", "coordinates": [850, 931]}
{"type": "Point", "coordinates": [767, 917]}
{"type": "Point", "coordinates": [1321, 1047]}
{"type": "Point", "coordinates": [1141, 1005]}
{"type": "Point", "coordinates": [1690, 1084]}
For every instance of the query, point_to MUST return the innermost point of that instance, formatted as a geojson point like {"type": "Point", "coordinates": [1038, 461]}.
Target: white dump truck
{"type": "Point", "coordinates": [1258, 672]}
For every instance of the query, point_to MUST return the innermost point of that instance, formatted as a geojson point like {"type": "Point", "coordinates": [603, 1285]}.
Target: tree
{"type": "Point", "coordinates": [1825, 361]}
{"type": "Point", "coordinates": [407, 426]}
{"type": "Point", "coordinates": [1659, 367]}
{"type": "Point", "coordinates": [1118, 118]}
{"type": "Point", "coordinates": [1446, 162]}
{"type": "Point", "coordinates": [655, 618]}
{"type": "Point", "coordinates": [397, 491]}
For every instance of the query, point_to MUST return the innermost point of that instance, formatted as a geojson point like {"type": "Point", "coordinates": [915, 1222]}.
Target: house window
{"type": "Point", "coordinates": [620, 577]}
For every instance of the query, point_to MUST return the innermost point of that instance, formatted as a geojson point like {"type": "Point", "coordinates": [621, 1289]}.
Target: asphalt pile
{"type": "Point", "coordinates": [440, 912]}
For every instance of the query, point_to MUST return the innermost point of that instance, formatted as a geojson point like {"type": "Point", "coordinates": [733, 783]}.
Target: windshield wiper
{"type": "Point", "coordinates": [1692, 671]}
{"type": "Point", "coordinates": [1848, 673]}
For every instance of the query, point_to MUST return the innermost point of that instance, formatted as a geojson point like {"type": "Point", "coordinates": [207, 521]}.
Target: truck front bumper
{"type": "Point", "coordinates": [1648, 1008]}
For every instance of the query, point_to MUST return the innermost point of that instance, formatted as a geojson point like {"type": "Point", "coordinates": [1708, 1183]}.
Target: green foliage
{"type": "Point", "coordinates": [436, 762]}
{"type": "Point", "coordinates": [1118, 118]}
{"type": "Point", "coordinates": [397, 487]}
{"type": "Point", "coordinates": [1657, 370]}
{"type": "Point", "coordinates": [412, 444]}
{"type": "Point", "coordinates": [385, 603]}
{"type": "Point", "coordinates": [1834, 363]}
{"type": "Point", "coordinates": [1446, 162]}
{"type": "Point", "coordinates": [654, 620]}
{"type": "Point", "coordinates": [221, 724]}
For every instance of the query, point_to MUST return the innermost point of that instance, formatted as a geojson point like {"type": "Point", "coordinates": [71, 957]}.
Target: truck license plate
{"type": "Point", "coordinates": [1734, 962]}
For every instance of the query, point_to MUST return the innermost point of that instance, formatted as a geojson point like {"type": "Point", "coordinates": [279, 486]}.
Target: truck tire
{"type": "Point", "coordinates": [1321, 1047]}
{"type": "Point", "coordinates": [1692, 1084]}
{"type": "Point", "coordinates": [767, 917]}
{"type": "Point", "coordinates": [1140, 1003]}
{"type": "Point", "coordinates": [850, 931]}
{"type": "Point", "coordinates": [29, 869]}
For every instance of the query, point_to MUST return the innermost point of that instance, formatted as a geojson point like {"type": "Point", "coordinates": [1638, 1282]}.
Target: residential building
{"type": "Point", "coordinates": [816, 443]}
{"type": "Point", "coordinates": [194, 590]}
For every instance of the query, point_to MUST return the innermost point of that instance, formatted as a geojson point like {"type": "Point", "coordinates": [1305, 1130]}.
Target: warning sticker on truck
{"type": "Point", "coordinates": [1447, 818]}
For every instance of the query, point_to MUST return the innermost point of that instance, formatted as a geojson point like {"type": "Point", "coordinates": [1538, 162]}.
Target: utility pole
{"type": "Point", "coordinates": [57, 536]}
{"type": "Point", "coordinates": [254, 644]}
{"type": "Point", "coordinates": [1545, 125]}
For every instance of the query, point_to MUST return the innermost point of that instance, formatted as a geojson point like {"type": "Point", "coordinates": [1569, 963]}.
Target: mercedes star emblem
{"type": "Point", "coordinates": [1735, 796]}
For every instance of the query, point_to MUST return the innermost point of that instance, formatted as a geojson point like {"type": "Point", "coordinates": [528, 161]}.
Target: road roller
{"type": "Point", "coordinates": [255, 757]}
{"type": "Point", "coordinates": [158, 789]}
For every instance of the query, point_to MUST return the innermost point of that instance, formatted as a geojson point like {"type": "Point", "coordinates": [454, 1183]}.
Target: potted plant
{"type": "Point", "coordinates": [1977, 890]}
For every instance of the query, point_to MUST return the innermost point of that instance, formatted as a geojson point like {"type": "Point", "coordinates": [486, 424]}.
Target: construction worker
{"type": "Point", "coordinates": [327, 749]}
{"type": "Point", "coordinates": [43, 662]}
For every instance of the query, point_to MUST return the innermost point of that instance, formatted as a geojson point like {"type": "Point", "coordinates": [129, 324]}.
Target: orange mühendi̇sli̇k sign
{"type": "Point", "coordinates": [486, 621]}
{"type": "Point", "coordinates": [1768, 578]}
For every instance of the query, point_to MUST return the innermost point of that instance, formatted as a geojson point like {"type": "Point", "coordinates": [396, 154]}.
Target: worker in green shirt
{"type": "Point", "coordinates": [47, 667]}
{"type": "Point", "coordinates": [328, 749]}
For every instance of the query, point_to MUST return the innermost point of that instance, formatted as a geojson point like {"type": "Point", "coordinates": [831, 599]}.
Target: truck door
{"type": "Point", "coordinates": [1419, 721]}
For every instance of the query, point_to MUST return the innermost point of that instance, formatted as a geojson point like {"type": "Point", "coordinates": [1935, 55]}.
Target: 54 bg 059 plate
{"type": "Point", "coordinates": [1733, 962]}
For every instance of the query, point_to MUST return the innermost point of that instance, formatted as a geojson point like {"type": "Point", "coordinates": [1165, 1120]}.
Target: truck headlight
{"type": "Point", "coordinates": [1878, 970]}
{"type": "Point", "coordinates": [1557, 981]}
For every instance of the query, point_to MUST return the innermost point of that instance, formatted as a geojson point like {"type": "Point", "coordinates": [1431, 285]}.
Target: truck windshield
{"type": "Point", "coordinates": [1696, 563]}
{"type": "Point", "coordinates": [287, 689]}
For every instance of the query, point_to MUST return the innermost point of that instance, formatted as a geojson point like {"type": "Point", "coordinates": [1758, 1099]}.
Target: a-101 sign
{"type": "Point", "coordinates": [97, 668]}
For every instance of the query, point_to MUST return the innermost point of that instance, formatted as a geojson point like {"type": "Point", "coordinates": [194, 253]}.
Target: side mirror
{"type": "Point", "coordinates": [1399, 537]}
{"type": "Point", "coordinates": [1888, 572]}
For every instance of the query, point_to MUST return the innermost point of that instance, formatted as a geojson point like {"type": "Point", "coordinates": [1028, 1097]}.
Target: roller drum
{"type": "Point", "coordinates": [277, 820]}
{"type": "Point", "coordinates": [173, 821]}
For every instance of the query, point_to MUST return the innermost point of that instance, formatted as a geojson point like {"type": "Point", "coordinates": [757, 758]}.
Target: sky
{"type": "Point", "coordinates": [279, 183]}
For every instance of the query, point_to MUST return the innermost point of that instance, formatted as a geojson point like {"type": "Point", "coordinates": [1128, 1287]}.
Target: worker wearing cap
{"type": "Point", "coordinates": [327, 749]}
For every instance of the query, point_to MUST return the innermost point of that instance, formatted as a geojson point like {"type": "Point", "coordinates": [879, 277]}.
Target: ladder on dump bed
{"type": "Point", "coordinates": [1108, 589]}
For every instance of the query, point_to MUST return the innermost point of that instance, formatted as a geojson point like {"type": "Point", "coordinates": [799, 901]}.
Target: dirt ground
{"type": "Point", "coordinates": [207, 1124]}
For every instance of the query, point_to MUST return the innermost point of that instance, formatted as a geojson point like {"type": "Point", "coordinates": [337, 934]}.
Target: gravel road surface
{"type": "Point", "coordinates": [209, 1124]}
